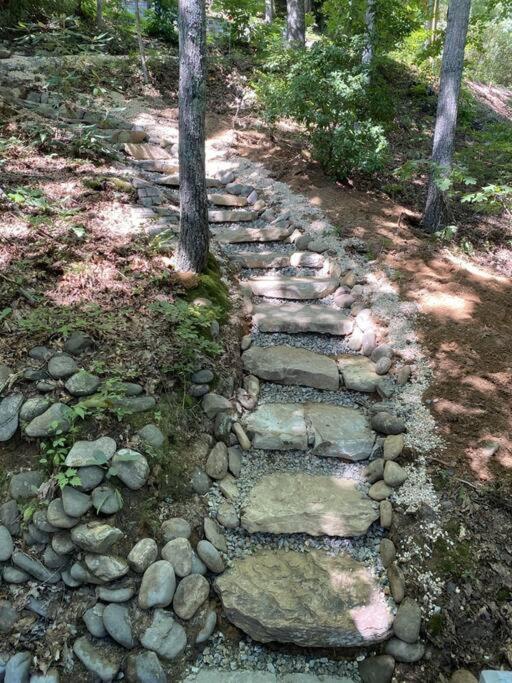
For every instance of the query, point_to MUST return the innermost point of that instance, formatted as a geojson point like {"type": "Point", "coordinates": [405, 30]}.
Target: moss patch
{"type": "Point", "coordinates": [211, 287]}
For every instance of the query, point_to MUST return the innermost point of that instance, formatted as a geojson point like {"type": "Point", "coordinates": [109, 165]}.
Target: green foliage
{"type": "Point", "coordinates": [240, 14]}
{"type": "Point", "coordinates": [29, 197]}
{"type": "Point", "coordinates": [326, 90]}
{"type": "Point", "coordinates": [14, 11]}
{"type": "Point", "coordinates": [46, 320]}
{"type": "Point", "coordinates": [161, 21]}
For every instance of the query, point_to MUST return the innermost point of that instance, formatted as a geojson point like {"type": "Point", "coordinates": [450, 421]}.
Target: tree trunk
{"type": "Point", "coordinates": [433, 25]}
{"type": "Point", "coordinates": [369, 20]}
{"type": "Point", "coordinates": [296, 27]}
{"type": "Point", "coordinates": [99, 13]}
{"type": "Point", "coordinates": [193, 246]}
{"type": "Point", "coordinates": [141, 44]}
{"type": "Point", "coordinates": [447, 105]}
{"type": "Point", "coordinates": [308, 6]}
{"type": "Point", "coordinates": [269, 11]}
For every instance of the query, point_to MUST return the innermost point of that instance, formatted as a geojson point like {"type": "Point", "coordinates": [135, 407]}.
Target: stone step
{"type": "Point", "coordinates": [310, 599]}
{"type": "Point", "coordinates": [291, 365]}
{"type": "Point", "coordinates": [294, 318]}
{"type": "Point", "coordinates": [297, 503]}
{"type": "Point", "coordinates": [241, 235]}
{"type": "Point", "coordinates": [157, 165]}
{"type": "Point", "coordinates": [173, 180]}
{"type": "Point", "coordinates": [240, 216]}
{"type": "Point", "coordinates": [324, 429]}
{"type": "Point", "coordinates": [358, 373]}
{"type": "Point", "coordinates": [248, 676]}
{"type": "Point", "coordinates": [260, 259]}
{"type": "Point", "coordinates": [283, 287]}
{"type": "Point", "coordinates": [227, 200]}
{"type": "Point", "coordinates": [145, 150]}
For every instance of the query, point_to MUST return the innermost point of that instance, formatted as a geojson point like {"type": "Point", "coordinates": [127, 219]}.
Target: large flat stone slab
{"type": "Point", "coordinates": [295, 503]}
{"type": "Point", "coordinates": [283, 287]}
{"type": "Point", "coordinates": [249, 676]}
{"type": "Point", "coordinates": [261, 259]}
{"type": "Point", "coordinates": [173, 180]}
{"type": "Point", "coordinates": [358, 373]}
{"type": "Point", "coordinates": [295, 318]}
{"type": "Point", "coordinates": [227, 200]}
{"type": "Point", "coordinates": [329, 431]}
{"type": "Point", "coordinates": [292, 365]}
{"type": "Point", "coordinates": [310, 599]}
{"type": "Point", "coordinates": [146, 150]}
{"type": "Point", "coordinates": [278, 427]}
{"type": "Point", "coordinates": [252, 235]}
{"type": "Point", "coordinates": [233, 216]}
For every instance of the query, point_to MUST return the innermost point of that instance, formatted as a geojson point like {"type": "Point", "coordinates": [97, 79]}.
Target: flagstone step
{"type": "Point", "coordinates": [235, 216]}
{"type": "Point", "coordinates": [283, 287]}
{"type": "Point", "coordinates": [310, 599]}
{"type": "Point", "coordinates": [209, 675]}
{"type": "Point", "coordinates": [324, 429]}
{"type": "Point", "coordinates": [173, 180]}
{"type": "Point", "coordinates": [292, 365]}
{"type": "Point", "coordinates": [241, 235]}
{"type": "Point", "coordinates": [295, 503]}
{"type": "Point", "coordinates": [296, 317]}
{"type": "Point", "coordinates": [358, 373]}
{"type": "Point", "coordinates": [146, 150]}
{"type": "Point", "coordinates": [261, 259]}
{"type": "Point", "coordinates": [227, 200]}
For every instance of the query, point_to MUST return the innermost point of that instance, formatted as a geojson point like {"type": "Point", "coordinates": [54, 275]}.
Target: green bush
{"type": "Point", "coordinates": [241, 15]}
{"type": "Point", "coordinates": [326, 89]}
{"type": "Point", "coordinates": [161, 21]}
{"type": "Point", "coordinates": [14, 11]}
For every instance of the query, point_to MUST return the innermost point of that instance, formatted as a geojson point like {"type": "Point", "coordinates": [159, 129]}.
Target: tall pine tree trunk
{"type": "Point", "coordinates": [192, 253]}
{"type": "Point", "coordinates": [99, 13]}
{"type": "Point", "coordinates": [447, 105]}
{"type": "Point", "coordinates": [269, 11]}
{"type": "Point", "coordinates": [296, 26]}
{"type": "Point", "coordinates": [369, 20]}
{"type": "Point", "coordinates": [141, 44]}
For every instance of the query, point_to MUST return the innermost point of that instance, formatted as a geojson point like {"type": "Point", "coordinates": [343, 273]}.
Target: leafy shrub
{"type": "Point", "coordinates": [161, 21]}
{"type": "Point", "coordinates": [240, 14]}
{"type": "Point", "coordinates": [326, 89]}
{"type": "Point", "coordinates": [14, 11]}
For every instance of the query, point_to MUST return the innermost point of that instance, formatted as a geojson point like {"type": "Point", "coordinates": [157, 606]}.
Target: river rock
{"type": "Point", "coordinates": [200, 482]}
{"type": "Point", "coordinates": [145, 668]}
{"type": "Point", "coordinates": [217, 463]}
{"type": "Point", "coordinates": [152, 435]}
{"type": "Point", "coordinates": [396, 582]}
{"type": "Point", "coordinates": [142, 555]}
{"type": "Point", "coordinates": [358, 373]}
{"type": "Point", "coordinates": [116, 619]}
{"type": "Point", "coordinates": [32, 566]}
{"type": "Point", "coordinates": [62, 543]}
{"type": "Point", "coordinates": [387, 423]}
{"type": "Point", "coordinates": [404, 652]}
{"type": "Point", "coordinates": [393, 446]}
{"type": "Point", "coordinates": [6, 544]}
{"type": "Point", "coordinates": [87, 453]}
{"type": "Point", "coordinates": [131, 468]}
{"type": "Point", "coordinates": [192, 591]}
{"type": "Point", "coordinates": [118, 592]}
{"type": "Point", "coordinates": [213, 404]}
{"type": "Point", "coordinates": [74, 502]}
{"type": "Point", "coordinates": [408, 621]}
{"type": "Point", "coordinates": [158, 585]}
{"type": "Point", "coordinates": [58, 418]}
{"type": "Point", "coordinates": [15, 575]}
{"type": "Point", "coordinates": [387, 551]}
{"type": "Point", "coordinates": [209, 624]}
{"type": "Point", "coordinates": [228, 516]}
{"type": "Point", "coordinates": [287, 503]}
{"type": "Point", "coordinates": [61, 366]}
{"type": "Point", "coordinates": [10, 517]}
{"type": "Point", "coordinates": [102, 662]}
{"type": "Point", "coordinates": [82, 383]}
{"type": "Point", "coordinates": [34, 407]}
{"type": "Point", "coordinates": [95, 537]}
{"type": "Point", "coordinates": [90, 477]}
{"type": "Point", "coordinates": [93, 619]}
{"type": "Point", "coordinates": [394, 475]}
{"type": "Point", "coordinates": [18, 668]}
{"type": "Point", "coordinates": [375, 470]}
{"type": "Point", "coordinates": [106, 567]}
{"type": "Point", "coordinates": [58, 517]}
{"type": "Point", "coordinates": [380, 491]}
{"type": "Point", "coordinates": [209, 554]}
{"type": "Point", "coordinates": [235, 460]}
{"type": "Point", "coordinates": [377, 669]}
{"type": "Point", "coordinates": [386, 514]}
{"type": "Point", "coordinates": [106, 500]}
{"type": "Point", "coordinates": [135, 404]}
{"type": "Point", "coordinates": [179, 553]}
{"type": "Point", "coordinates": [78, 342]}
{"type": "Point", "coordinates": [176, 527]}
{"type": "Point", "coordinates": [265, 595]}
{"type": "Point", "coordinates": [164, 636]}
{"type": "Point", "coordinates": [53, 560]}
{"type": "Point", "coordinates": [464, 676]}
{"type": "Point", "coordinates": [80, 574]}
{"type": "Point", "coordinates": [9, 411]}
{"type": "Point", "coordinates": [8, 616]}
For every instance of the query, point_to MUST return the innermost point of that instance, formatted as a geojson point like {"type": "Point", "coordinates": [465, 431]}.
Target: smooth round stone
{"type": "Point", "coordinates": [78, 342]}
{"type": "Point", "coordinates": [93, 619]}
{"type": "Point", "coordinates": [394, 475]}
{"type": "Point", "coordinates": [152, 435]}
{"type": "Point", "coordinates": [463, 676]}
{"type": "Point", "coordinates": [56, 420]}
{"type": "Point", "coordinates": [46, 385]}
{"type": "Point", "coordinates": [368, 343]}
{"type": "Point", "coordinates": [40, 521]}
{"type": "Point", "coordinates": [375, 470]}
{"type": "Point", "coordinates": [106, 500]}
{"type": "Point", "coordinates": [35, 374]}
{"type": "Point", "coordinates": [179, 553]}
{"type": "Point", "coordinates": [62, 543]}
{"type": "Point", "coordinates": [10, 517]}
{"type": "Point", "coordinates": [383, 366]}
{"type": "Point", "coordinates": [96, 537]}
{"type": "Point", "coordinates": [34, 407]}
{"type": "Point", "coordinates": [74, 502]}
{"type": "Point", "coordinates": [222, 430]}
{"type": "Point", "coordinates": [380, 491]}
{"type": "Point", "coordinates": [198, 566]}
{"type": "Point", "coordinates": [176, 527]}
{"type": "Point", "coordinates": [42, 353]}
{"type": "Point", "coordinates": [202, 377]}
{"type": "Point", "coordinates": [18, 668]}
{"type": "Point", "coordinates": [58, 517]}
{"type": "Point", "coordinates": [165, 636]}
{"type": "Point", "coordinates": [386, 514]}
{"type": "Point", "coordinates": [198, 390]}
{"type": "Point", "coordinates": [35, 536]}
{"type": "Point", "coordinates": [387, 423]}
{"type": "Point", "coordinates": [53, 560]}
{"type": "Point", "coordinates": [80, 574]}
{"type": "Point", "coordinates": [381, 351]}
{"type": "Point", "coordinates": [404, 652]}
{"type": "Point", "coordinates": [25, 484]}
{"type": "Point", "coordinates": [15, 575]}
{"type": "Point", "coordinates": [116, 593]}
{"type": "Point", "coordinates": [6, 544]}
{"type": "Point", "coordinates": [210, 623]}
{"type": "Point", "coordinates": [214, 534]}
{"type": "Point", "coordinates": [217, 463]}
{"type": "Point", "coordinates": [8, 616]}
{"type": "Point", "coordinates": [403, 375]}
{"type": "Point", "coordinates": [146, 668]}
{"type": "Point", "coordinates": [235, 460]}
{"type": "Point", "coordinates": [131, 389]}
{"type": "Point", "coordinates": [61, 366]}
{"type": "Point", "coordinates": [228, 516]}
{"type": "Point", "coordinates": [103, 663]}
{"type": "Point", "coordinates": [106, 567]}
{"type": "Point", "coordinates": [142, 555]}
{"type": "Point", "coordinates": [393, 446]}
{"type": "Point", "coordinates": [82, 383]}
{"type": "Point", "coordinates": [377, 669]}
{"type": "Point", "coordinates": [396, 582]}
{"type": "Point", "coordinates": [201, 482]}
{"type": "Point", "coordinates": [68, 579]}
{"type": "Point", "coordinates": [116, 619]}
{"type": "Point", "coordinates": [158, 585]}
{"type": "Point", "coordinates": [407, 623]}
{"type": "Point", "coordinates": [90, 477]}
{"type": "Point", "coordinates": [192, 591]}
{"type": "Point", "coordinates": [131, 468]}
{"type": "Point", "coordinates": [387, 552]}
{"type": "Point", "coordinates": [87, 453]}
{"type": "Point", "coordinates": [209, 554]}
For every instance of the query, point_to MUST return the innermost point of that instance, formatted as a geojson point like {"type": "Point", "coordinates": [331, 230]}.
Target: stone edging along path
{"type": "Point", "coordinates": [301, 477]}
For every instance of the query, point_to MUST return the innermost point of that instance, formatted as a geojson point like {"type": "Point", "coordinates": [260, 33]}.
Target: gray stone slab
{"type": "Point", "coordinates": [297, 318]}
{"type": "Point", "coordinates": [251, 235]}
{"type": "Point", "coordinates": [284, 287]}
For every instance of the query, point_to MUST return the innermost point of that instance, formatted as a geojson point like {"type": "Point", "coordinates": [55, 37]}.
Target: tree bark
{"type": "Point", "coordinates": [192, 254]}
{"type": "Point", "coordinates": [296, 26]}
{"type": "Point", "coordinates": [269, 11]}
{"type": "Point", "coordinates": [447, 106]}
{"type": "Point", "coordinates": [141, 44]}
{"type": "Point", "coordinates": [99, 13]}
{"type": "Point", "coordinates": [369, 20]}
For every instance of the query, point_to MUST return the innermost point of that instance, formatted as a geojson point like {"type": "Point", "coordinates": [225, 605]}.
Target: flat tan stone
{"type": "Point", "coordinates": [339, 432]}
{"type": "Point", "coordinates": [292, 365]}
{"type": "Point", "coordinates": [306, 259]}
{"type": "Point", "coordinates": [227, 200]}
{"type": "Point", "coordinates": [284, 287]}
{"type": "Point", "coordinates": [261, 259]}
{"type": "Point", "coordinates": [218, 216]}
{"type": "Point", "coordinates": [296, 318]}
{"type": "Point", "coordinates": [358, 373]}
{"type": "Point", "coordinates": [310, 599]}
{"type": "Point", "coordinates": [146, 150]}
{"type": "Point", "coordinates": [277, 426]}
{"type": "Point", "coordinates": [173, 180]}
{"type": "Point", "coordinates": [252, 235]}
{"type": "Point", "coordinates": [294, 503]}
